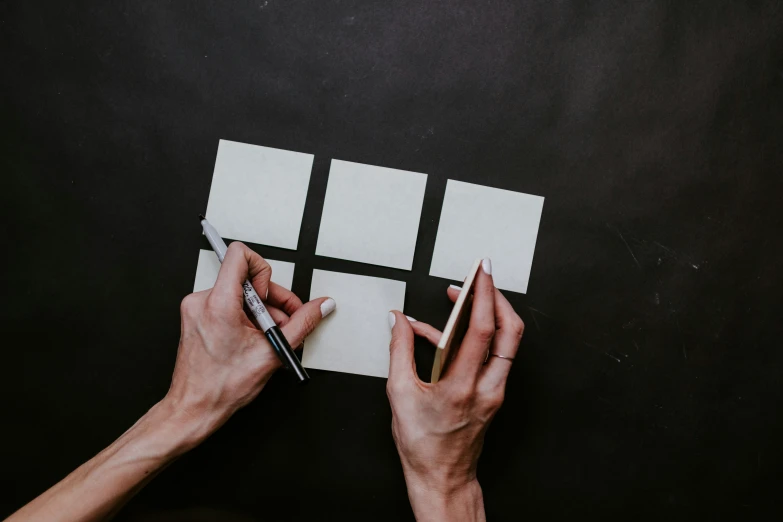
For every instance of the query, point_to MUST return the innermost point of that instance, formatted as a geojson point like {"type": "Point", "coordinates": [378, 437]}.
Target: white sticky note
{"type": "Point", "coordinates": [371, 214]}
{"type": "Point", "coordinates": [355, 337]}
{"type": "Point", "coordinates": [478, 222]}
{"type": "Point", "coordinates": [258, 194]}
{"type": "Point", "coordinates": [209, 266]}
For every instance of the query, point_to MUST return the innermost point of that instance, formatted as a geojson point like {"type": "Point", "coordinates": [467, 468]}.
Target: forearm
{"type": "Point", "coordinates": [430, 504]}
{"type": "Point", "coordinates": [98, 488]}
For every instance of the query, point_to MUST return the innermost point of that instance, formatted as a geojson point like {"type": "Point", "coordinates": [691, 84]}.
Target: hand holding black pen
{"type": "Point", "coordinates": [259, 311]}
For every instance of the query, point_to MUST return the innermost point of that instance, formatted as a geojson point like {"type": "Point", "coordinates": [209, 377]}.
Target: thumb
{"type": "Point", "coordinates": [401, 364]}
{"type": "Point", "coordinates": [306, 318]}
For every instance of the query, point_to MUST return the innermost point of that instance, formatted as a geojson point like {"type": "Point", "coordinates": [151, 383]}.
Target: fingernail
{"type": "Point", "coordinates": [411, 319]}
{"type": "Point", "coordinates": [392, 319]}
{"type": "Point", "coordinates": [455, 287]}
{"type": "Point", "coordinates": [327, 307]}
{"type": "Point", "coordinates": [486, 266]}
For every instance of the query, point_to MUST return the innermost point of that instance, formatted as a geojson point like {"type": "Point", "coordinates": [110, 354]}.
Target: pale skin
{"type": "Point", "coordinates": [439, 428]}
{"type": "Point", "coordinates": [224, 361]}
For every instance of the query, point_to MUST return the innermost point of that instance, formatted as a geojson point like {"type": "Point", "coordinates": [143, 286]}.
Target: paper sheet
{"type": "Point", "coordinates": [355, 337]}
{"type": "Point", "coordinates": [258, 194]}
{"type": "Point", "coordinates": [371, 214]}
{"type": "Point", "coordinates": [478, 222]}
{"type": "Point", "coordinates": [208, 267]}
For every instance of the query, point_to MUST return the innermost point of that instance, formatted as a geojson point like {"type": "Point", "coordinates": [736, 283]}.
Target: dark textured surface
{"type": "Point", "coordinates": [649, 378]}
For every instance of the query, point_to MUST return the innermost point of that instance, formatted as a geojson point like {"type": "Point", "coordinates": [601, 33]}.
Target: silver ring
{"type": "Point", "coordinates": [501, 357]}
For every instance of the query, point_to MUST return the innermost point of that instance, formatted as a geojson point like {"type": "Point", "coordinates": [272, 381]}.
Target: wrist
{"type": "Point", "coordinates": [452, 500]}
{"type": "Point", "coordinates": [185, 428]}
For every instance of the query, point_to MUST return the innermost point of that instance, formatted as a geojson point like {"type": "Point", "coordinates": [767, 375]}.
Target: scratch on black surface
{"type": "Point", "coordinates": [539, 312]}
{"type": "Point", "coordinates": [667, 249]}
{"type": "Point", "coordinates": [612, 356]}
{"type": "Point", "coordinates": [637, 346]}
{"type": "Point", "coordinates": [626, 245]}
{"type": "Point", "coordinates": [535, 321]}
{"type": "Point", "coordinates": [676, 256]}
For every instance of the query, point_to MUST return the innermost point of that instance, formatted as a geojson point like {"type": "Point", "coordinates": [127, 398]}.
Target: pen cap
{"type": "Point", "coordinates": [215, 241]}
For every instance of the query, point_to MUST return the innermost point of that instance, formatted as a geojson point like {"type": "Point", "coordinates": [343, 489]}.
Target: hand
{"type": "Point", "coordinates": [439, 428]}
{"type": "Point", "coordinates": [224, 360]}
{"type": "Point", "coordinates": [222, 364]}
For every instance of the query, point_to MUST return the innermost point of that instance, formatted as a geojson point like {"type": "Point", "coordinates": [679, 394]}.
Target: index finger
{"type": "Point", "coordinates": [240, 264]}
{"type": "Point", "coordinates": [283, 298]}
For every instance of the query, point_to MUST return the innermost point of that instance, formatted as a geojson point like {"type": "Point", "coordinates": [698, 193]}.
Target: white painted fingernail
{"type": "Point", "coordinates": [392, 319]}
{"type": "Point", "coordinates": [411, 319]}
{"type": "Point", "coordinates": [455, 287]}
{"type": "Point", "coordinates": [327, 307]}
{"type": "Point", "coordinates": [486, 266]}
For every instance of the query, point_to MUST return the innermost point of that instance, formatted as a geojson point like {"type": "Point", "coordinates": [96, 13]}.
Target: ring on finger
{"type": "Point", "coordinates": [490, 354]}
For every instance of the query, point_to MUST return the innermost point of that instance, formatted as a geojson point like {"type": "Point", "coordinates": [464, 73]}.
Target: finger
{"type": "Point", "coordinates": [280, 318]}
{"type": "Point", "coordinates": [402, 367]}
{"type": "Point", "coordinates": [282, 298]}
{"type": "Point", "coordinates": [453, 292]}
{"type": "Point", "coordinates": [239, 264]}
{"type": "Point", "coordinates": [506, 343]}
{"type": "Point", "coordinates": [481, 328]}
{"type": "Point", "coordinates": [430, 333]}
{"type": "Point", "coordinates": [304, 320]}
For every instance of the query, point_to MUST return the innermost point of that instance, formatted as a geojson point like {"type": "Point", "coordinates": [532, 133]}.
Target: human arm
{"type": "Point", "coordinates": [223, 362]}
{"type": "Point", "coordinates": [439, 428]}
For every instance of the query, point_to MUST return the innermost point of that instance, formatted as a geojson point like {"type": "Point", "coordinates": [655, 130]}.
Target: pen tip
{"type": "Point", "coordinates": [201, 217]}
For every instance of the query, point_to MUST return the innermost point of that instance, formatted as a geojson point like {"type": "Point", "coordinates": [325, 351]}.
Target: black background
{"type": "Point", "coordinates": [649, 377]}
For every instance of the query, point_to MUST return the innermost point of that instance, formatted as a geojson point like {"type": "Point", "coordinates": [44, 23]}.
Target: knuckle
{"type": "Point", "coordinates": [397, 347]}
{"type": "Point", "coordinates": [393, 388]}
{"type": "Point", "coordinates": [494, 399]}
{"type": "Point", "coordinates": [263, 265]}
{"type": "Point", "coordinates": [189, 305]}
{"type": "Point", "coordinates": [518, 327]}
{"type": "Point", "coordinates": [462, 396]}
{"type": "Point", "coordinates": [397, 343]}
{"type": "Point", "coordinates": [484, 332]}
{"type": "Point", "coordinates": [237, 246]}
{"type": "Point", "coordinates": [290, 301]}
{"type": "Point", "coordinates": [309, 323]}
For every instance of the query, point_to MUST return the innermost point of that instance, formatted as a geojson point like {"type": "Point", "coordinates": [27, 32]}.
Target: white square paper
{"type": "Point", "coordinates": [371, 214]}
{"type": "Point", "coordinates": [355, 337]}
{"type": "Point", "coordinates": [209, 266]}
{"type": "Point", "coordinates": [258, 194]}
{"type": "Point", "coordinates": [478, 222]}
